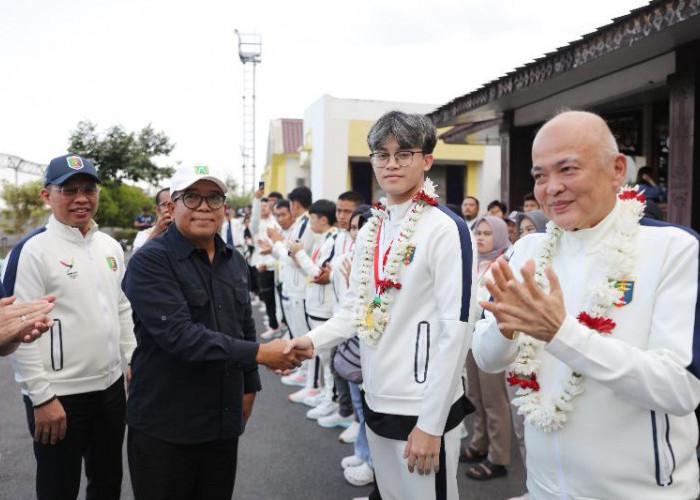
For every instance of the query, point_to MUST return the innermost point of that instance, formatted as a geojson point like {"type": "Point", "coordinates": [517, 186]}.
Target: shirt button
{"type": "Point", "coordinates": [163, 318]}
{"type": "Point", "coordinates": [219, 306]}
{"type": "Point", "coordinates": [226, 409]}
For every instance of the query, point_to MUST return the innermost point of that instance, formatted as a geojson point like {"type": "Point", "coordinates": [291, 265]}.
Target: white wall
{"type": "Point", "coordinates": [489, 177]}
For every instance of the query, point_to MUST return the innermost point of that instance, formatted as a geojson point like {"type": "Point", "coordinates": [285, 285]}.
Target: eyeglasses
{"type": "Point", "coordinates": [194, 200]}
{"type": "Point", "coordinates": [402, 158]}
{"type": "Point", "coordinates": [72, 190]}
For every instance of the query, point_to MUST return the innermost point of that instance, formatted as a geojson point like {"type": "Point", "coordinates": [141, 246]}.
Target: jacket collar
{"type": "Point", "coordinates": [71, 233]}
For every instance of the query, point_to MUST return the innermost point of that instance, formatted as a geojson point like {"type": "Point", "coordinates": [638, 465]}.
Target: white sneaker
{"type": "Point", "coordinates": [322, 410]}
{"type": "Point", "coordinates": [335, 420]}
{"type": "Point", "coordinates": [298, 397]}
{"type": "Point", "coordinates": [362, 475]}
{"type": "Point", "coordinates": [351, 461]}
{"type": "Point", "coordinates": [349, 435]}
{"type": "Point", "coordinates": [314, 401]}
{"type": "Point", "coordinates": [296, 379]}
{"type": "Point", "coordinates": [254, 300]}
{"type": "Point", "coordinates": [271, 333]}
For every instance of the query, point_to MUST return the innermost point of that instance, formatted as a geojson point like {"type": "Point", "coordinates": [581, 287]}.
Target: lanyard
{"type": "Point", "coordinates": [376, 259]}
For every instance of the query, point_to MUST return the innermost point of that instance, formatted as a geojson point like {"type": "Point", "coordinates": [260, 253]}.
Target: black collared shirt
{"type": "Point", "coordinates": [196, 340]}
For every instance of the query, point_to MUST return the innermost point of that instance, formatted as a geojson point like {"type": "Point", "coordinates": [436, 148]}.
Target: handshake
{"type": "Point", "coordinates": [284, 355]}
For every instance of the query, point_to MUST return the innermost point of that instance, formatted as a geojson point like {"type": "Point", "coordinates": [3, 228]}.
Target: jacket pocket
{"type": "Point", "coordinates": [664, 459]}
{"type": "Point", "coordinates": [422, 352]}
{"type": "Point", "coordinates": [57, 345]}
{"type": "Point", "coordinates": [242, 294]}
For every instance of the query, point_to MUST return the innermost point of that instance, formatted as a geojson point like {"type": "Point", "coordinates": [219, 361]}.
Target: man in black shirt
{"type": "Point", "coordinates": [195, 372]}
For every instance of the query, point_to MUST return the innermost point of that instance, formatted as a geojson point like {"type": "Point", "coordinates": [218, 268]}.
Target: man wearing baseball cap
{"type": "Point", "coordinates": [196, 364]}
{"type": "Point", "coordinates": [71, 377]}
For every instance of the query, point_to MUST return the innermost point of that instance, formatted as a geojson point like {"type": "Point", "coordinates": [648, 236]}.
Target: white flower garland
{"type": "Point", "coordinates": [372, 313]}
{"type": "Point", "coordinates": [618, 259]}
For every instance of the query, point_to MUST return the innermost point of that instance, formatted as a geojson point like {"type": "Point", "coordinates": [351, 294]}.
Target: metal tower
{"type": "Point", "coordinates": [249, 51]}
{"type": "Point", "coordinates": [20, 165]}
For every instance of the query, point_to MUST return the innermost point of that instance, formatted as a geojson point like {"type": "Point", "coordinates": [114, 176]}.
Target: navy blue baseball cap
{"type": "Point", "coordinates": [60, 169]}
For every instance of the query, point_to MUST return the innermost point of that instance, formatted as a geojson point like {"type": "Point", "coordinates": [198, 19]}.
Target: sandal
{"type": "Point", "coordinates": [485, 470]}
{"type": "Point", "coordinates": [470, 456]}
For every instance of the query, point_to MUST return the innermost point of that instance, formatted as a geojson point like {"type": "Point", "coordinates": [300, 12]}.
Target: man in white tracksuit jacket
{"type": "Point", "coordinates": [419, 256]}
{"type": "Point", "coordinates": [631, 432]}
{"type": "Point", "coordinates": [72, 377]}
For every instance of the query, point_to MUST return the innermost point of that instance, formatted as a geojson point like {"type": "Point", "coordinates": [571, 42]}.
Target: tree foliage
{"type": "Point", "coordinates": [121, 155]}
{"type": "Point", "coordinates": [25, 209]}
{"type": "Point", "coordinates": [120, 204]}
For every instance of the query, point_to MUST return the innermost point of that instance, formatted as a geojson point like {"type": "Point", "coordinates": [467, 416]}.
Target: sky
{"type": "Point", "coordinates": [175, 65]}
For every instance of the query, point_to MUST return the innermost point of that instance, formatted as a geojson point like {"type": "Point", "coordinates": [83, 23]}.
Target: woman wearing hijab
{"type": "Point", "coordinates": [530, 222]}
{"type": "Point", "coordinates": [489, 447]}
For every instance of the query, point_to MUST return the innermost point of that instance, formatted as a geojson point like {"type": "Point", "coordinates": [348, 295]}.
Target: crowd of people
{"type": "Point", "coordinates": [570, 321]}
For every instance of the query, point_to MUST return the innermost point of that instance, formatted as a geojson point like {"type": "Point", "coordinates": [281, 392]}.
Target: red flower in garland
{"type": "Point", "coordinates": [600, 324]}
{"type": "Point", "coordinates": [383, 285]}
{"type": "Point", "coordinates": [631, 194]}
{"type": "Point", "coordinates": [378, 206]}
{"type": "Point", "coordinates": [525, 383]}
{"type": "Point", "coordinates": [421, 196]}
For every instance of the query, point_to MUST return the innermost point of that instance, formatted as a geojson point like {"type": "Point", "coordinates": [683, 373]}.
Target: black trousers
{"type": "Point", "coordinates": [96, 433]}
{"type": "Point", "coordinates": [253, 271]}
{"type": "Point", "coordinates": [266, 286]}
{"type": "Point", "coordinates": [161, 470]}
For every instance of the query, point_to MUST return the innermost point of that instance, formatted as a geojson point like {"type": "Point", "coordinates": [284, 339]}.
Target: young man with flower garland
{"type": "Point", "coordinates": [410, 304]}
{"type": "Point", "coordinates": [596, 322]}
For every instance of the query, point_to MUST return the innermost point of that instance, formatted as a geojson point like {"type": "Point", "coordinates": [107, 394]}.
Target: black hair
{"type": "Point", "coordinates": [283, 204]}
{"type": "Point", "coordinates": [499, 204]}
{"type": "Point", "coordinates": [364, 211]}
{"type": "Point", "coordinates": [324, 208]}
{"type": "Point", "coordinates": [263, 200]}
{"type": "Point", "coordinates": [352, 196]}
{"type": "Point", "coordinates": [275, 194]}
{"type": "Point", "coordinates": [529, 197]}
{"type": "Point", "coordinates": [301, 194]}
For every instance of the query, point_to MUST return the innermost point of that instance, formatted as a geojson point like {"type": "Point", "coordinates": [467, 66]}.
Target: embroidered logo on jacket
{"type": "Point", "coordinates": [71, 272]}
{"type": "Point", "coordinates": [626, 288]}
{"type": "Point", "coordinates": [408, 256]}
{"type": "Point", "coordinates": [112, 263]}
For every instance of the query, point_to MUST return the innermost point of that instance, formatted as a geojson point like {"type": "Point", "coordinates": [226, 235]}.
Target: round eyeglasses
{"type": "Point", "coordinates": [194, 200]}
{"type": "Point", "coordinates": [402, 158]}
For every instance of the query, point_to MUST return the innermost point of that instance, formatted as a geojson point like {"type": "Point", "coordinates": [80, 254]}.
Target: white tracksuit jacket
{"type": "Point", "coordinates": [632, 433]}
{"type": "Point", "coordinates": [93, 324]}
{"type": "Point", "coordinates": [432, 313]}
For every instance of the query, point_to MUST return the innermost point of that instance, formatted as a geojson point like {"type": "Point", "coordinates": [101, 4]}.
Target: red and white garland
{"type": "Point", "coordinates": [374, 299]}
{"type": "Point", "coordinates": [618, 259]}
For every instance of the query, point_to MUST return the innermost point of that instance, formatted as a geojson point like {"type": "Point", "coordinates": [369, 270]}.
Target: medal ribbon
{"type": "Point", "coordinates": [382, 284]}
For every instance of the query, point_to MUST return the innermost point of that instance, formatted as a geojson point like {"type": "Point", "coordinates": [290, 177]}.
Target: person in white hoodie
{"type": "Point", "coordinates": [410, 303]}
{"type": "Point", "coordinates": [71, 377]}
{"type": "Point", "coordinates": [596, 321]}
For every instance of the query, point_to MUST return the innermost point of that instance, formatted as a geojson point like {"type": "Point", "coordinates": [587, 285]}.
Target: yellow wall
{"type": "Point", "coordinates": [274, 174]}
{"type": "Point", "coordinates": [472, 179]}
{"type": "Point", "coordinates": [357, 145]}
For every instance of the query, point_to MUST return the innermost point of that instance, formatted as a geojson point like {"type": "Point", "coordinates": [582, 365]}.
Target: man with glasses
{"type": "Point", "coordinates": [164, 220]}
{"type": "Point", "coordinates": [72, 377]}
{"type": "Point", "coordinates": [195, 366]}
{"type": "Point", "coordinates": [410, 303]}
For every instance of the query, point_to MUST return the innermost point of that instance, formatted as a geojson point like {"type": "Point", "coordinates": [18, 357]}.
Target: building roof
{"type": "Point", "coordinates": [627, 31]}
{"type": "Point", "coordinates": [292, 134]}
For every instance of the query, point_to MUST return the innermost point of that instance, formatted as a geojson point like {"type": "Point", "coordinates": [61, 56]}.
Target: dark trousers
{"type": "Point", "coordinates": [253, 271]}
{"type": "Point", "coordinates": [96, 433]}
{"type": "Point", "coordinates": [266, 285]}
{"type": "Point", "coordinates": [161, 470]}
